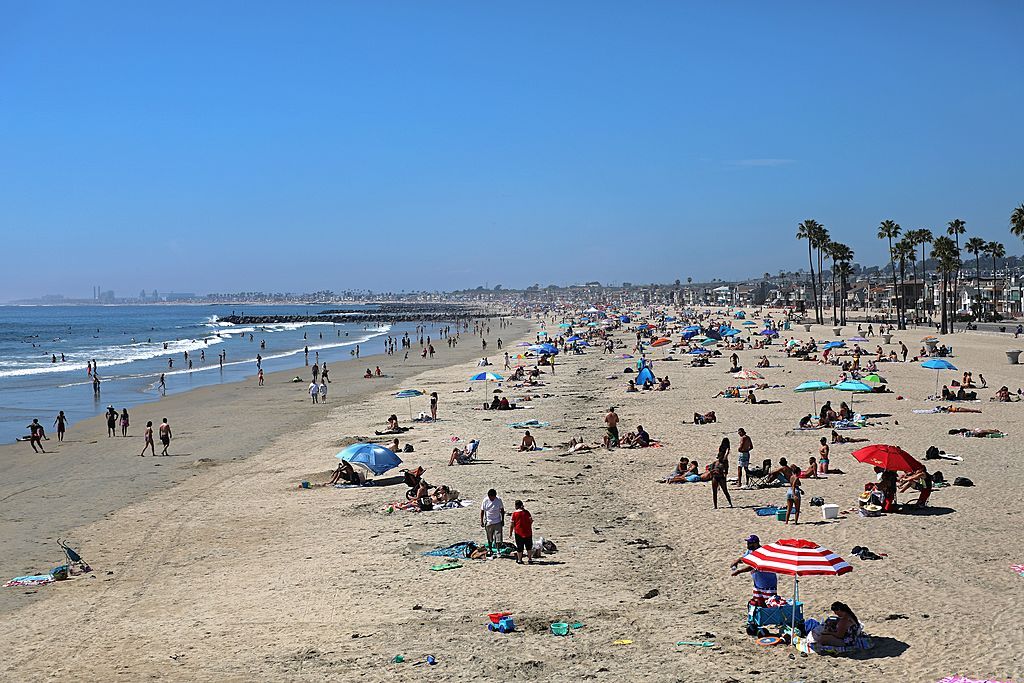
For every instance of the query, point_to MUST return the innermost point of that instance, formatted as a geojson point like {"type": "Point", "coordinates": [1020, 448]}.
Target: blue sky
{"type": "Point", "coordinates": [410, 145]}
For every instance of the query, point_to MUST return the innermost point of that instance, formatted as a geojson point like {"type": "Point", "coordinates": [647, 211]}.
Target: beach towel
{"type": "Point", "coordinates": [31, 580]}
{"type": "Point", "coordinates": [1019, 568]}
{"type": "Point", "coordinates": [529, 424]}
{"type": "Point", "coordinates": [460, 549]}
{"type": "Point", "coordinates": [961, 679]}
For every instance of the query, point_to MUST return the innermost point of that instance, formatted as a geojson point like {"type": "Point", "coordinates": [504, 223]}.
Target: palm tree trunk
{"type": "Point", "coordinates": [977, 285]}
{"type": "Point", "coordinates": [821, 288]}
{"type": "Point", "coordinates": [892, 263]}
{"type": "Point", "coordinates": [834, 302]}
{"type": "Point", "coordinates": [814, 290]}
{"type": "Point", "coordinates": [945, 283]}
{"type": "Point", "coordinates": [993, 284]}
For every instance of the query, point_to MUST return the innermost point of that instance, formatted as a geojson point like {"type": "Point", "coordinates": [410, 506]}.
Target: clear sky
{"type": "Point", "coordinates": [198, 146]}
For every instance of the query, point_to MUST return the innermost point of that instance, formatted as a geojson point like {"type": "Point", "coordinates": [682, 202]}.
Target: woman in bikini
{"type": "Point", "coordinates": [719, 470]}
{"type": "Point", "coordinates": [148, 436]}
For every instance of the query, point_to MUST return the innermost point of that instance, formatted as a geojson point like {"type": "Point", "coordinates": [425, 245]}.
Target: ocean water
{"type": "Point", "coordinates": [132, 344]}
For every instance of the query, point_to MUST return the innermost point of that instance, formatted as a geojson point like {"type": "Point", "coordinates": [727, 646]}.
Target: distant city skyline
{"type": "Point", "coordinates": [424, 146]}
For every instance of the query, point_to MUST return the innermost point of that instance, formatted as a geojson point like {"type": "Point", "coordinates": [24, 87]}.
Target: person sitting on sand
{"type": "Point", "coordinates": [807, 422]}
{"type": "Point", "coordinates": [839, 631]}
{"type": "Point", "coordinates": [844, 411]}
{"type": "Point", "coordinates": [764, 362]}
{"type": "Point", "coordinates": [638, 439]}
{"type": "Point", "coordinates": [812, 470]}
{"type": "Point", "coordinates": [1003, 395]}
{"type": "Point", "coordinates": [463, 456]}
{"type": "Point", "coordinates": [528, 443]}
{"type": "Point", "coordinates": [780, 475]}
{"type": "Point", "coordinates": [920, 480]}
{"type": "Point", "coordinates": [444, 494]}
{"type": "Point", "coordinates": [827, 416]}
{"type": "Point", "coordinates": [368, 374]}
{"type": "Point", "coordinates": [678, 476]}
{"type": "Point", "coordinates": [503, 404]}
{"type": "Point", "coordinates": [750, 398]}
{"type": "Point", "coordinates": [705, 418]}
{"type": "Point", "coordinates": [962, 395]}
{"type": "Point", "coordinates": [493, 405]}
{"type": "Point", "coordinates": [631, 387]}
{"type": "Point", "coordinates": [663, 384]}
{"type": "Point", "coordinates": [345, 473]}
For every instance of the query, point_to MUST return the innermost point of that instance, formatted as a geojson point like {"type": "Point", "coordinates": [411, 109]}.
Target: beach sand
{"type": "Point", "coordinates": [228, 571]}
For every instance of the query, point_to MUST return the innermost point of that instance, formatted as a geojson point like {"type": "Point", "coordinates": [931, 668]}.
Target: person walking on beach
{"type": "Point", "coordinates": [316, 372]}
{"type": "Point", "coordinates": [95, 385]}
{"type": "Point", "coordinates": [61, 424]}
{"type": "Point", "coordinates": [323, 392]}
{"type": "Point", "coordinates": [903, 351]}
{"type": "Point", "coordinates": [124, 422]}
{"type": "Point", "coordinates": [148, 443]}
{"type": "Point", "coordinates": [611, 421]}
{"type": "Point", "coordinates": [111, 421]}
{"type": "Point", "coordinates": [508, 364]}
{"type": "Point", "coordinates": [162, 384]}
{"type": "Point", "coordinates": [36, 436]}
{"type": "Point", "coordinates": [521, 529]}
{"type": "Point", "coordinates": [314, 392]}
{"type": "Point", "coordinates": [746, 445]}
{"type": "Point", "coordinates": [324, 379]}
{"type": "Point", "coordinates": [165, 436]}
{"type": "Point", "coordinates": [719, 471]}
{"type": "Point", "coordinates": [492, 519]}
{"type": "Point", "coordinates": [259, 377]}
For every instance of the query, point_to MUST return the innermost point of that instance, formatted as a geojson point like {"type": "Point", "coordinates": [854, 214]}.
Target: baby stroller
{"type": "Point", "coordinates": [413, 479]}
{"type": "Point", "coordinates": [74, 560]}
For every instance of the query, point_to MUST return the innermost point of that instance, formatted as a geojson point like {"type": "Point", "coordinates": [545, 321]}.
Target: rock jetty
{"type": "Point", "coordinates": [380, 313]}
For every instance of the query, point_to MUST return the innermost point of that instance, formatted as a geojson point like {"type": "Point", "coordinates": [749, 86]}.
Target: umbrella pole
{"type": "Point", "coordinates": [796, 600]}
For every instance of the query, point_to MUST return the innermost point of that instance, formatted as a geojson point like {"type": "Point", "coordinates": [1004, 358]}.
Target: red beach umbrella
{"type": "Point", "coordinates": [888, 458]}
{"type": "Point", "coordinates": [661, 341]}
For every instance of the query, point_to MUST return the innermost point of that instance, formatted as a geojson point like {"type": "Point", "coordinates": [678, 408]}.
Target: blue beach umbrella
{"type": "Point", "coordinates": [487, 377]}
{"type": "Point", "coordinates": [750, 323]}
{"type": "Point", "coordinates": [813, 386]}
{"type": "Point", "coordinates": [549, 349]}
{"type": "Point", "coordinates": [698, 352]}
{"type": "Point", "coordinates": [835, 345]}
{"type": "Point", "coordinates": [573, 338]}
{"type": "Point", "coordinates": [373, 457]}
{"type": "Point", "coordinates": [730, 333]}
{"type": "Point", "coordinates": [692, 328]}
{"type": "Point", "coordinates": [937, 364]}
{"type": "Point", "coordinates": [852, 386]}
{"type": "Point", "coordinates": [624, 319]}
{"type": "Point", "coordinates": [708, 341]}
{"type": "Point", "coordinates": [409, 394]}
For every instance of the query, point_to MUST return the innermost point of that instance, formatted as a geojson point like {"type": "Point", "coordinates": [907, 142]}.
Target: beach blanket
{"type": "Point", "coordinates": [961, 679]}
{"type": "Point", "coordinates": [529, 424]}
{"type": "Point", "coordinates": [460, 549]}
{"type": "Point", "coordinates": [32, 580]}
{"type": "Point", "coordinates": [1019, 568]}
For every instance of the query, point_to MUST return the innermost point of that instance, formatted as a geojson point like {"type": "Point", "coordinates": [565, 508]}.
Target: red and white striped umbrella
{"type": "Point", "coordinates": [797, 557]}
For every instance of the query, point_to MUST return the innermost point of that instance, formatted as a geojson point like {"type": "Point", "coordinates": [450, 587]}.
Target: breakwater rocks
{"type": "Point", "coordinates": [382, 313]}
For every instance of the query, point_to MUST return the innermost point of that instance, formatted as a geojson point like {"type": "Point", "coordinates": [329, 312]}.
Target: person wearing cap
{"type": "Point", "coordinates": [112, 416]}
{"type": "Point", "coordinates": [765, 583]}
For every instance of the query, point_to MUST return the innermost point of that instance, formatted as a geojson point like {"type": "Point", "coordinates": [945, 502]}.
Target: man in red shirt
{"type": "Point", "coordinates": [521, 527]}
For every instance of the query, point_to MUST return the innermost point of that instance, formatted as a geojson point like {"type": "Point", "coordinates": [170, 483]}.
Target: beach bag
{"type": "Point", "coordinates": [407, 448]}
{"type": "Point", "coordinates": [932, 453]}
{"type": "Point", "coordinates": [962, 481]}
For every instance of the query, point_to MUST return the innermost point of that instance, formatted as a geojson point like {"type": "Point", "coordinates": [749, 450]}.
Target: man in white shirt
{"type": "Point", "coordinates": [314, 392]}
{"type": "Point", "coordinates": [492, 519]}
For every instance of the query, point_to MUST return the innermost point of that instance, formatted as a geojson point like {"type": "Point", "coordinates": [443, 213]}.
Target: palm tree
{"type": "Point", "coordinates": [903, 251]}
{"type": "Point", "coordinates": [995, 250]}
{"type": "Point", "coordinates": [955, 228]}
{"type": "Point", "coordinates": [808, 231]}
{"type": "Point", "coordinates": [1017, 221]}
{"type": "Point", "coordinates": [889, 230]}
{"type": "Point", "coordinates": [821, 241]}
{"type": "Point", "coordinates": [827, 252]}
{"type": "Point", "coordinates": [976, 246]}
{"type": "Point", "coordinates": [945, 252]}
{"type": "Point", "coordinates": [841, 257]}
{"type": "Point", "coordinates": [923, 236]}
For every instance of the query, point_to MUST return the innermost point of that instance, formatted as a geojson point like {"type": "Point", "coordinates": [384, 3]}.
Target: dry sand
{"type": "Point", "coordinates": [236, 574]}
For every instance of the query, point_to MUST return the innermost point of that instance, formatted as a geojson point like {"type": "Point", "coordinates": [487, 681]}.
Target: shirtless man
{"type": "Point", "coordinates": [36, 436]}
{"type": "Point", "coordinates": [529, 443]}
{"type": "Point", "coordinates": [611, 421]}
{"type": "Point", "coordinates": [165, 436]}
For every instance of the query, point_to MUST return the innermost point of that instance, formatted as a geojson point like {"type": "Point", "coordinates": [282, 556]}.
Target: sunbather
{"type": "Point", "coordinates": [345, 473]}
{"type": "Point", "coordinates": [843, 629]}
{"type": "Point", "coordinates": [528, 443]}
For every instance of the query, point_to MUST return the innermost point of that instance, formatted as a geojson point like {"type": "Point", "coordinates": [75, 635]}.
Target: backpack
{"type": "Point", "coordinates": [932, 453]}
{"type": "Point", "coordinates": [962, 481]}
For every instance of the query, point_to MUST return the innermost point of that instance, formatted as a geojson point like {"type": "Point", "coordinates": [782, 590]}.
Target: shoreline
{"type": "Point", "coordinates": [46, 496]}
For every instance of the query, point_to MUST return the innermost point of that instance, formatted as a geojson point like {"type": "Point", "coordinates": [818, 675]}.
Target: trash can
{"type": "Point", "coordinates": [807, 327]}
{"type": "Point", "coordinates": [837, 331]}
{"type": "Point", "coordinates": [1013, 357]}
{"type": "Point", "coordinates": [887, 338]}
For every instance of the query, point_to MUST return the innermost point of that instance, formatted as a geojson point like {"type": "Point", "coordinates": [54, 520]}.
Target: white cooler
{"type": "Point", "coordinates": [830, 511]}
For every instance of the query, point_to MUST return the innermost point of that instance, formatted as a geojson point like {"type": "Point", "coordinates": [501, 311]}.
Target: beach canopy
{"type": "Point", "coordinates": [874, 378]}
{"type": "Point", "coordinates": [797, 557]}
{"type": "Point", "coordinates": [373, 457]}
{"type": "Point", "coordinates": [645, 376]}
{"type": "Point", "coordinates": [486, 377]}
{"type": "Point", "coordinates": [888, 458]}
